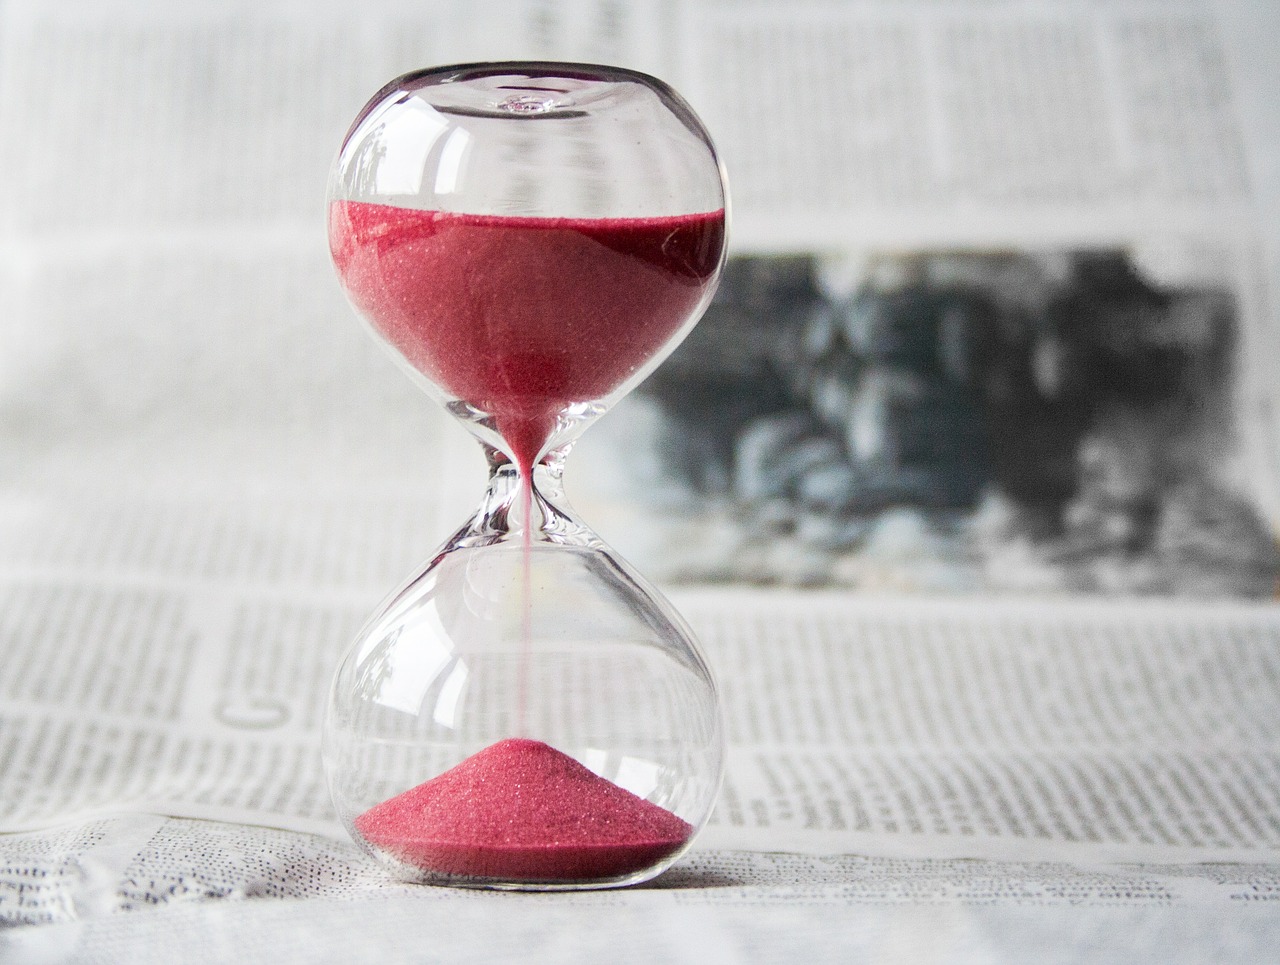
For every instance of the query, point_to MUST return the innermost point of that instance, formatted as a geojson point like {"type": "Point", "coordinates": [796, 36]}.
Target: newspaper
{"type": "Point", "coordinates": [1090, 732]}
{"type": "Point", "coordinates": [210, 477]}
{"type": "Point", "coordinates": [1130, 148]}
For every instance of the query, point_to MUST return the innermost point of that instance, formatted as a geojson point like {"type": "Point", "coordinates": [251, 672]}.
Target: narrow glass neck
{"type": "Point", "coordinates": [509, 510]}
{"type": "Point", "coordinates": [559, 433]}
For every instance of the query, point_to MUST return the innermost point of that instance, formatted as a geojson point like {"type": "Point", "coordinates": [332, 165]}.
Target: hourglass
{"type": "Point", "coordinates": [526, 711]}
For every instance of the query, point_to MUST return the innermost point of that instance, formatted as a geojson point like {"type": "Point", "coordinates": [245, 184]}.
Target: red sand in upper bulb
{"type": "Point", "coordinates": [520, 810]}
{"type": "Point", "coordinates": [523, 316]}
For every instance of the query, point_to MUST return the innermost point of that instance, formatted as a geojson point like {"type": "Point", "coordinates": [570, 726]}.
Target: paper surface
{"type": "Point", "coordinates": [209, 477]}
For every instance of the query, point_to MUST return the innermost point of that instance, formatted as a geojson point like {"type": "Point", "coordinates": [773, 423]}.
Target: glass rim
{"type": "Point", "coordinates": [440, 75]}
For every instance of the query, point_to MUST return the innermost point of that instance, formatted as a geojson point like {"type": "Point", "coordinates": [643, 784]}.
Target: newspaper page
{"type": "Point", "coordinates": [1097, 732]}
{"type": "Point", "coordinates": [210, 477]}
{"type": "Point", "coordinates": [1002, 315]}
{"type": "Point", "coordinates": [1084, 735]}
{"type": "Point", "coordinates": [1047, 772]}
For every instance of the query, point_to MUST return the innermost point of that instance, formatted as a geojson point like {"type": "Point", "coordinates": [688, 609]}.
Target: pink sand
{"type": "Point", "coordinates": [520, 810]}
{"type": "Point", "coordinates": [523, 316]}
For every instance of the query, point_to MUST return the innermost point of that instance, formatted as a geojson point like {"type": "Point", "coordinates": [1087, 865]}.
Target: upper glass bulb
{"type": "Point", "coordinates": [533, 239]}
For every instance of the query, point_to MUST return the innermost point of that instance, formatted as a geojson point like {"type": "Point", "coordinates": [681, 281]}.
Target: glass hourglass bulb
{"type": "Point", "coordinates": [531, 239]}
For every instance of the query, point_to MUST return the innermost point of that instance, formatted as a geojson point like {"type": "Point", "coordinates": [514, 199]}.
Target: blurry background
{"type": "Point", "coordinates": [1052, 422]}
{"type": "Point", "coordinates": [1000, 316]}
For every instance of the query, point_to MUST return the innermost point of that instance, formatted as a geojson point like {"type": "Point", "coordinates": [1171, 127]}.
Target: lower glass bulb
{"type": "Point", "coordinates": [524, 714]}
